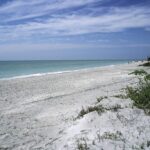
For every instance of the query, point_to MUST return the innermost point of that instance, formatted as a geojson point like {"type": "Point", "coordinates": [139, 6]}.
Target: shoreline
{"type": "Point", "coordinates": [53, 73]}
{"type": "Point", "coordinates": [62, 72]}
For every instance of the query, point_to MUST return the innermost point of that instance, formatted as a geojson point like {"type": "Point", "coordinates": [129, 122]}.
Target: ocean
{"type": "Point", "coordinates": [17, 69]}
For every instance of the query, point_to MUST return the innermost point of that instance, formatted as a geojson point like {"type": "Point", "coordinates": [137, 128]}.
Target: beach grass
{"type": "Point", "coordinates": [98, 108]}
{"type": "Point", "coordinates": [82, 144]}
{"type": "Point", "coordinates": [120, 96]}
{"type": "Point", "coordinates": [139, 72]}
{"type": "Point", "coordinates": [101, 98]}
{"type": "Point", "coordinates": [141, 94]}
{"type": "Point", "coordinates": [147, 64]}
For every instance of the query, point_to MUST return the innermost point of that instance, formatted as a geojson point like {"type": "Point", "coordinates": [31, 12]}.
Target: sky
{"type": "Point", "coordinates": [74, 29]}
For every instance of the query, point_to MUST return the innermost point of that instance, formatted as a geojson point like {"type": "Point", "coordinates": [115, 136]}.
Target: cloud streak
{"type": "Point", "coordinates": [29, 20]}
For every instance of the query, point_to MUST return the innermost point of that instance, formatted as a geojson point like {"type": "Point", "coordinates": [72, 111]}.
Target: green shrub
{"type": "Point", "coordinates": [140, 94]}
{"type": "Point", "coordinates": [147, 77]}
{"type": "Point", "coordinates": [139, 72]}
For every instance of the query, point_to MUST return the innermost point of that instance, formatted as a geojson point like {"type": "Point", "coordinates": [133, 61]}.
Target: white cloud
{"type": "Point", "coordinates": [18, 10]}
{"type": "Point", "coordinates": [114, 20]}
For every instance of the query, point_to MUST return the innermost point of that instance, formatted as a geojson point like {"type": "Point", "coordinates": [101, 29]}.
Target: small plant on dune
{"type": "Point", "coordinates": [141, 94]}
{"type": "Point", "coordinates": [147, 77]}
{"type": "Point", "coordinates": [112, 136]}
{"type": "Point", "coordinates": [116, 107]}
{"type": "Point", "coordinates": [148, 143]}
{"type": "Point", "coordinates": [142, 146]}
{"type": "Point", "coordinates": [147, 64]}
{"type": "Point", "coordinates": [101, 98]}
{"type": "Point", "coordinates": [82, 112]}
{"type": "Point", "coordinates": [139, 72]}
{"type": "Point", "coordinates": [82, 144]}
{"type": "Point", "coordinates": [121, 96]}
{"type": "Point", "coordinates": [99, 109]}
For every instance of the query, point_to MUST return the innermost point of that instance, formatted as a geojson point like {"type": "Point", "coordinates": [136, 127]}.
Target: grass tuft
{"type": "Point", "coordinates": [101, 98]}
{"type": "Point", "coordinates": [82, 144]}
{"type": "Point", "coordinates": [139, 72]}
{"type": "Point", "coordinates": [148, 143]}
{"type": "Point", "coordinates": [141, 94]}
{"type": "Point", "coordinates": [116, 107]}
{"type": "Point", "coordinates": [147, 64]}
{"type": "Point", "coordinates": [147, 77]}
{"type": "Point", "coordinates": [121, 96]}
{"type": "Point", "coordinates": [99, 109]}
{"type": "Point", "coordinates": [112, 136]}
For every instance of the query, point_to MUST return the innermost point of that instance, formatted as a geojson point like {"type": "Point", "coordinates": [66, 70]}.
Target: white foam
{"type": "Point", "coordinates": [58, 72]}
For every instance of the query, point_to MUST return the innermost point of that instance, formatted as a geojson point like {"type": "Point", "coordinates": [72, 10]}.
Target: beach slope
{"type": "Point", "coordinates": [44, 112]}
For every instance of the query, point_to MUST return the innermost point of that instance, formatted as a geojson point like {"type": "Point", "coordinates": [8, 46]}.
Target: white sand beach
{"type": "Point", "coordinates": [40, 113]}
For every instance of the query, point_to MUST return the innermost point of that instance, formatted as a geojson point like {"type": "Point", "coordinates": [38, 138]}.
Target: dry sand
{"type": "Point", "coordinates": [40, 113]}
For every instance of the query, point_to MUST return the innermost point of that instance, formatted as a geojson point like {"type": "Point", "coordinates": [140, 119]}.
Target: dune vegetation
{"type": "Point", "coordinates": [141, 93]}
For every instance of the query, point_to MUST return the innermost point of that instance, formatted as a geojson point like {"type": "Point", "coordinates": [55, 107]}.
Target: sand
{"type": "Point", "coordinates": [40, 113]}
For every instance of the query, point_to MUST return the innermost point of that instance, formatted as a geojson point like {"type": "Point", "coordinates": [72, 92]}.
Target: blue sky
{"type": "Point", "coordinates": [74, 29]}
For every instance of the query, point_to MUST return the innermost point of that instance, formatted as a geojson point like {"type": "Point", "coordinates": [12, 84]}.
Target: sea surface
{"type": "Point", "coordinates": [17, 69]}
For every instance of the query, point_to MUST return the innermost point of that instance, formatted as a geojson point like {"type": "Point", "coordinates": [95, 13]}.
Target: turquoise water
{"type": "Point", "coordinates": [10, 69]}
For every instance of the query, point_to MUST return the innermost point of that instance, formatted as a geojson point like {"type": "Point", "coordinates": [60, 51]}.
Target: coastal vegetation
{"type": "Point", "coordinates": [139, 72]}
{"type": "Point", "coordinates": [141, 93]}
{"type": "Point", "coordinates": [82, 144]}
{"type": "Point", "coordinates": [98, 108]}
{"type": "Point", "coordinates": [147, 64]}
{"type": "Point", "coordinates": [120, 96]}
{"type": "Point", "coordinates": [101, 98]}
